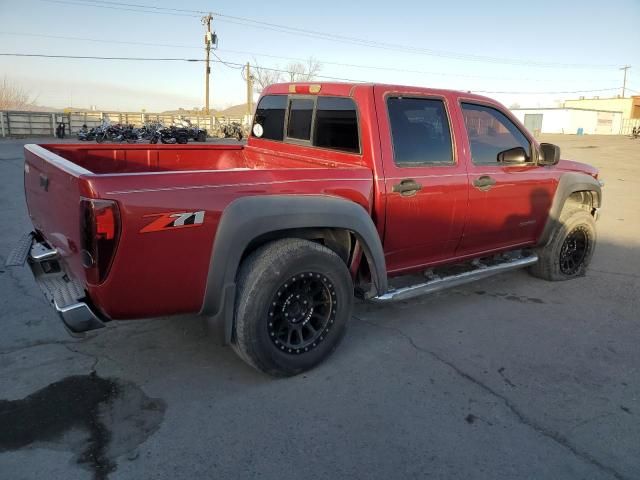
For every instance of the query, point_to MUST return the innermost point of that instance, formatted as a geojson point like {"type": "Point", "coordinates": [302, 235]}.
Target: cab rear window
{"type": "Point", "coordinates": [270, 115]}
{"type": "Point", "coordinates": [319, 121]}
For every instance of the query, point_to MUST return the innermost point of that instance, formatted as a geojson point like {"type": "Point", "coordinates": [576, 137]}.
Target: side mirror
{"type": "Point", "coordinates": [549, 154]}
{"type": "Point", "coordinates": [513, 155]}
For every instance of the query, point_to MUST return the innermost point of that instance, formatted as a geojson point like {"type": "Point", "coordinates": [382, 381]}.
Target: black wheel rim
{"type": "Point", "coordinates": [574, 250]}
{"type": "Point", "coordinates": [302, 312]}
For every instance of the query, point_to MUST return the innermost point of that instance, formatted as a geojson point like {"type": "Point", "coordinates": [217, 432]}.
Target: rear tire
{"type": "Point", "coordinates": [570, 248]}
{"type": "Point", "coordinates": [293, 303]}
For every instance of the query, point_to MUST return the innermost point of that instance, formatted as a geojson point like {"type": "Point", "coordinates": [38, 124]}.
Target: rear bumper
{"type": "Point", "coordinates": [78, 318]}
{"type": "Point", "coordinates": [64, 292]}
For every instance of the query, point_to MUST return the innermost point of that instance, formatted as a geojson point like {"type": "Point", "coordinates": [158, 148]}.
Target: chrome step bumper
{"type": "Point", "coordinates": [436, 284]}
{"type": "Point", "coordinates": [59, 287]}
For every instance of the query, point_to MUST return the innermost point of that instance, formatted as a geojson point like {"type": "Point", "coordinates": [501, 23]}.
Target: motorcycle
{"type": "Point", "coordinates": [168, 136]}
{"type": "Point", "coordinates": [233, 130]}
{"type": "Point", "coordinates": [85, 134]}
{"type": "Point", "coordinates": [193, 131]}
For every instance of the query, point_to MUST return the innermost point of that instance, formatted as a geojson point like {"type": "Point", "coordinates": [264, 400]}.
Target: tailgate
{"type": "Point", "coordinates": [53, 187]}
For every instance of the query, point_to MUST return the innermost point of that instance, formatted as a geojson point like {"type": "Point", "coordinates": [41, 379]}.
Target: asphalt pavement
{"type": "Point", "coordinates": [510, 377]}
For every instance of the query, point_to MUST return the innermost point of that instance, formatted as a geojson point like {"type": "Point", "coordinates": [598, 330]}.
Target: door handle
{"type": "Point", "coordinates": [484, 183]}
{"type": "Point", "coordinates": [407, 187]}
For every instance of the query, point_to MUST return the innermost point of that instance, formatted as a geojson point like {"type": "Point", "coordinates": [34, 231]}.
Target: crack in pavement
{"type": "Point", "coordinates": [35, 345]}
{"type": "Point", "coordinates": [22, 288]}
{"type": "Point", "coordinates": [620, 274]}
{"type": "Point", "coordinates": [522, 418]}
{"type": "Point", "coordinates": [95, 358]}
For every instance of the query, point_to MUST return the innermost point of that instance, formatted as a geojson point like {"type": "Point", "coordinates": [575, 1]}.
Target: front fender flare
{"type": "Point", "coordinates": [569, 183]}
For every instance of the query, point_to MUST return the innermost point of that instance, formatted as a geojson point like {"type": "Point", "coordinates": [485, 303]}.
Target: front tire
{"type": "Point", "coordinates": [570, 249]}
{"type": "Point", "coordinates": [293, 303]}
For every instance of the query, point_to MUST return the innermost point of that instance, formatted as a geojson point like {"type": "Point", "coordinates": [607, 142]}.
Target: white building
{"type": "Point", "coordinates": [570, 120]}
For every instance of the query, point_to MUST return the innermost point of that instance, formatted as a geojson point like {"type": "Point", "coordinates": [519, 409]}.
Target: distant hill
{"type": "Point", "coordinates": [187, 111]}
{"type": "Point", "coordinates": [237, 111]}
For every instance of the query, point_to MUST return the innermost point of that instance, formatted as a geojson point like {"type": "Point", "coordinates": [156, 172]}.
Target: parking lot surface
{"type": "Point", "coordinates": [510, 377]}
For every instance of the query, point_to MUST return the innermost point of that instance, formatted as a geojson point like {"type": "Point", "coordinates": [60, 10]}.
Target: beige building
{"type": "Point", "coordinates": [629, 106]}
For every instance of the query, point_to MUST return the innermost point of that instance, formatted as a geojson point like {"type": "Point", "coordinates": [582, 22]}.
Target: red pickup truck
{"type": "Point", "coordinates": [384, 191]}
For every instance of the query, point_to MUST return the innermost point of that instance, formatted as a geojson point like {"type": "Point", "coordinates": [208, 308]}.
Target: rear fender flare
{"type": "Point", "coordinates": [248, 218]}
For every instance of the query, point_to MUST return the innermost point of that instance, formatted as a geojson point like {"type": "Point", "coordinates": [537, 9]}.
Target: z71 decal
{"type": "Point", "coordinates": [171, 221]}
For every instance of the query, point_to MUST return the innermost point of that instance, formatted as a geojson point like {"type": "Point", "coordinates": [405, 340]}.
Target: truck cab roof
{"type": "Point", "coordinates": [347, 89]}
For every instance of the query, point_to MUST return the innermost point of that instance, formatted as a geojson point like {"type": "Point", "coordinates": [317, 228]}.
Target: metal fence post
{"type": "Point", "coordinates": [2, 123]}
{"type": "Point", "coordinates": [53, 124]}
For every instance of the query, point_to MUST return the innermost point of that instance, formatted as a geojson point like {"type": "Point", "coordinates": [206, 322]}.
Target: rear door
{"type": "Point", "coordinates": [508, 203]}
{"type": "Point", "coordinates": [426, 185]}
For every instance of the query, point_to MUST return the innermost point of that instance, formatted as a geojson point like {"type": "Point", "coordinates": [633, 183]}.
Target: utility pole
{"type": "Point", "coordinates": [624, 82]}
{"type": "Point", "coordinates": [208, 40]}
{"type": "Point", "coordinates": [249, 91]}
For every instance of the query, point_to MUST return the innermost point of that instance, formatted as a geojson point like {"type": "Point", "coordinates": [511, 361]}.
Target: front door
{"type": "Point", "coordinates": [426, 186]}
{"type": "Point", "coordinates": [508, 203]}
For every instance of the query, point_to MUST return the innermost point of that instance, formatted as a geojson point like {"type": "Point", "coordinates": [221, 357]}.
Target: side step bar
{"type": "Point", "coordinates": [441, 283]}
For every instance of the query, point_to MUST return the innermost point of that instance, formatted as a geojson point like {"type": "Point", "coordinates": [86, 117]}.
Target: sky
{"type": "Point", "coordinates": [485, 46]}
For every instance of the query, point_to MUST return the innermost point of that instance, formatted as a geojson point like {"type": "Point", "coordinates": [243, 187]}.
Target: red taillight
{"type": "Point", "coordinates": [100, 229]}
{"type": "Point", "coordinates": [105, 223]}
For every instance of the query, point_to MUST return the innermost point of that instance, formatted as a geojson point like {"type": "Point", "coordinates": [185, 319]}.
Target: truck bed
{"type": "Point", "coordinates": [101, 159]}
{"type": "Point", "coordinates": [149, 182]}
{"type": "Point", "coordinates": [126, 158]}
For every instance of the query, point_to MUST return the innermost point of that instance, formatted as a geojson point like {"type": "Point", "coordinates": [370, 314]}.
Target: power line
{"type": "Point", "coordinates": [91, 57]}
{"type": "Point", "coordinates": [254, 54]}
{"type": "Point", "coordinates": [549, 93]}
{"type": "Point", "coordinates": [151, 7]}
{"type": "Point", "coordinates": [165, 59]}
{"type": "Point", "coordinates": [235, 66]}
{"type": "Point", "coordinates": [69, 2]}
{"type": "Point", "coordinates": [323, 35]}
{"type": "Point", "coordinates": [240, 65]}
{"type": "Point", "coordinates": [100, 40]}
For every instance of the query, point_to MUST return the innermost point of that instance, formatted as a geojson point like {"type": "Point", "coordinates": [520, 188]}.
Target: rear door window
{"type": "Point", "coordinates": [270, 115]}
{"type": "Point", "coordinates": [336, 124]}
{"type": "Point", "coordinates": [420, 132]}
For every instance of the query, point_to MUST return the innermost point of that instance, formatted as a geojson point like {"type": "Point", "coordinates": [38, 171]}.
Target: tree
{"type": "Point", "coordinates": [293, 72]}
{"type": "Point", "coordinates": [301, 72]}
{"type": "Point", "coordinates": [14, 97]}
